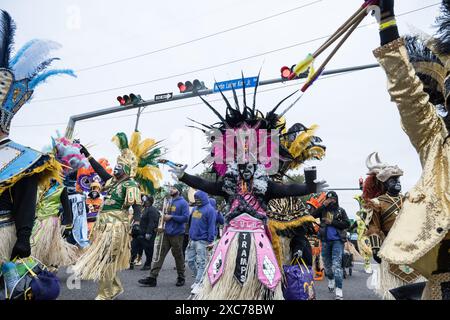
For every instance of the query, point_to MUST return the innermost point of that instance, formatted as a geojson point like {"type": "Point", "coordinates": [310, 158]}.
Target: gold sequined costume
{"type": "Point", "coordinates": [420, 234]}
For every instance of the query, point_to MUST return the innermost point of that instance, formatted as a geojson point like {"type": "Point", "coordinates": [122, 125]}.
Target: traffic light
{"type": "Point", "coordinates": [189, 86]}
{"type": "Point", "coordinates": [129, 99]}
{"type": "Point", "coordinates": [289, 74]}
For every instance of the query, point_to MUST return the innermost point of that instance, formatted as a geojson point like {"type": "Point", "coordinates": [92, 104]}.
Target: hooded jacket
{"type": "Point", "coordinates": [219, 217]}
{"type": "Point", "coordinates": [203, 220]}
{"type": "Point", "coordinates": [339, 221]}
{"type": "Point", "coordinates": [179, 210]}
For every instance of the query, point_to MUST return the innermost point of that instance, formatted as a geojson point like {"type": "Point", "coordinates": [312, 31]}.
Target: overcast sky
{"type": "Point", "coordinates": [353, 111]}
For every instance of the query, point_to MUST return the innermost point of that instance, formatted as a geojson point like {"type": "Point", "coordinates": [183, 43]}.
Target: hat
{"type": "Point", "coordinates": [332, 194]}
{"type": "Point", "coordinates": [179, 187]}
{"type": "Point", "coordinates": [381, 170]}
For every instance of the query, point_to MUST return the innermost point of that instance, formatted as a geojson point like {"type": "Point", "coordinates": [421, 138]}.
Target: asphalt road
{"type": "Point", "coordinates": [355, 287]}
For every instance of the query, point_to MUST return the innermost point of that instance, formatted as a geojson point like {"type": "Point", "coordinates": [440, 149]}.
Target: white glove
{"type": "Point", "coordinates": [322, 185]}
{"type": "Point", "coordinates": [178, 172]}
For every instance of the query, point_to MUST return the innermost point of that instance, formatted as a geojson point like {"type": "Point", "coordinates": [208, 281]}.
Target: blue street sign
{"type": "Point", "coordinates": [237, 84]}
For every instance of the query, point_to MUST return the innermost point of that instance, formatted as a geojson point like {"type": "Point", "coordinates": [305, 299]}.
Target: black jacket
{"type": "Point", "coordinates": [149, 220]}
{"type": "Point", "coordinates": [340, 220]}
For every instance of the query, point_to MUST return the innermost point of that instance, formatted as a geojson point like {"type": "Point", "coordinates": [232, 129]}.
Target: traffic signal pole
{"type": "Point", "coordinates": [93, 114]}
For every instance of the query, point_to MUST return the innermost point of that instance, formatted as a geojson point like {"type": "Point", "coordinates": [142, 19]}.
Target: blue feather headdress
{"type": "Point", "coordinates": [20, 74]}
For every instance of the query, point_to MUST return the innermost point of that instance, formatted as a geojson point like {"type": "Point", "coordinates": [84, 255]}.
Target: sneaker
{"type": "Point", "coordinates": [148, 282]}
{"type": "Point", "coordinates": [138, 261]}
{"type": "Point", "coordinates": [196, 289]}
{"type": "Point", "coordinates": [339, 294]}
{"type": "Point", "coordinates": [331, 285]}
{"type": "Point", "coordinates": [180, 282]}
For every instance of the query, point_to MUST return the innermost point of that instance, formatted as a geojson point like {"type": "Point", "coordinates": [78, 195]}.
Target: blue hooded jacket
{"type": "Point", "coordinates": [219, 217]}
{"type": "Point", "coordinates": [179, 210]}
{"type": "Point", "coordinates": [203, 220]}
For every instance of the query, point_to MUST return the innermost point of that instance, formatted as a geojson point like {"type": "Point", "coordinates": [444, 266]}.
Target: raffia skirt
{"type": "Point", "coordinates": [110, 251]}
{"type": "Point", "coordinates": [7, 241]}
{"type": "Point", "coordinates": [48, 244]}
{"type": "Point", "coordinates": [228, 288]}
{"type": "Point", "coordinates": [386, 281]}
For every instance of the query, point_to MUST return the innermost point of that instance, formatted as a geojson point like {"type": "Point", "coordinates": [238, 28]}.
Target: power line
{"type": "Point", "coordinates": [215, 66]}
{"type": "Point", "coordinates": [175, 107]}
{"type": "Point", "coordinates": [200, 38]}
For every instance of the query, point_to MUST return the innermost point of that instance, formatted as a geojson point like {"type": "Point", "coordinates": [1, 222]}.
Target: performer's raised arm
{"type": "Point", "coordinates": [418, 114]}
{"type": "Point", "coordinates": [210, 187]}
{"type": "Point", "coordinates": [98, 168]}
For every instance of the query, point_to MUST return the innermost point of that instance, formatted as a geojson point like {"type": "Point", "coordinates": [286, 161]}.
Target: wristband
{"type": "Point", "coordinates": [388, 24]}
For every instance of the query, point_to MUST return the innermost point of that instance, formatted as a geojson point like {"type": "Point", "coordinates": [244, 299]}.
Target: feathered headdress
{"type": "Point", "coordinates": [139, 159]}
{"type": "Point", "coordinates": [87, 176]}
{"type": "Point", "coordinates": [431, 61]}
{"type": "Point", "coordinates": [20, 75]}
{"type": "Point", "coordinates": [296, 146]}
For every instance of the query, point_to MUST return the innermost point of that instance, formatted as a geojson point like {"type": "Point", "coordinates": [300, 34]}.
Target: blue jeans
{"type": "Point", "coordinates": [196, 256]}
{"type": "Point", "coordinates": [332, 252]}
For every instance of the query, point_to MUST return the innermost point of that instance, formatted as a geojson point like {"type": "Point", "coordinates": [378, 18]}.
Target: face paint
{"type": "Point", "coordinates": [247, 171]}
{"type": "Point", "coordinates": [118, 171]}
{"type": "Point", "coordinates": [393, 186]}
{"type": "Point", "coordinates": [94, 194]}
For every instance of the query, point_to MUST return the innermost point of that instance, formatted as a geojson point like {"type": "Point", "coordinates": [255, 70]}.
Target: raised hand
{"type": "Point", "coordinates": [178, 172]}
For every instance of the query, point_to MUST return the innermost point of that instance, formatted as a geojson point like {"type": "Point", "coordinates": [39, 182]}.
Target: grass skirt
{"type": "Point", "coordinates": [48, 245]}
{"type": "Point", "coordinates": [228, 288]}
{"type": "Point", "coordinates": [7, 241]}
{"type": "Point", "coordinates": [386, 281]}
{"type": "Point", "coordinates": [110, 251]}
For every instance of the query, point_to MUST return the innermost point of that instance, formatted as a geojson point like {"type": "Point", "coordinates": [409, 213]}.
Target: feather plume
{"type": "Point", "coordinates": [43, 76]}
{"type": "Point", "coordinates": [25, 63]}
{"type": "Point", "coordinates": [7, 30]}
{"type": "Point", "coordinates": [443, 21]}
{"type": "Point", "coordinates": [145, 146]}
{"type": "Point", "coordinates": [301, 142]}
{"type": "Point", "coordinates": [134, 141]}
{"type": "Point", "coordinates": [44, 65]}
{"type": "Point", "coordinates": [121, 140]}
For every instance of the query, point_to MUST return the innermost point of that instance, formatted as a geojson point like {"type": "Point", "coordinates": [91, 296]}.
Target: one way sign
{"type": "Point", "coordinates": [163, 96]}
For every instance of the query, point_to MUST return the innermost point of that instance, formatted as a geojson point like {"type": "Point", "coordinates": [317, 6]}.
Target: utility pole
{"type": "Point", "coordinates": [93, 114]}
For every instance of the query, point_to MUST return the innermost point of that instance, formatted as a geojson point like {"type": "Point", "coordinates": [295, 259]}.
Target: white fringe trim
{"type": "Point", "coordinates": [228, 288]}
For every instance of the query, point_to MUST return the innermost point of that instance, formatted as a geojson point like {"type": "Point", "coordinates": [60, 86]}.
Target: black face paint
{"type": "Point", "coordinates": [393, 186]}
{"type": "Point", "coordinates": [246, 171]}
{"type": "Point", "coordinates": [94, 194]}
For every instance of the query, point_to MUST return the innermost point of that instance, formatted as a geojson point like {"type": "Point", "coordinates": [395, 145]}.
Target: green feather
{"type": "Point", "coordinates": [123, 140]}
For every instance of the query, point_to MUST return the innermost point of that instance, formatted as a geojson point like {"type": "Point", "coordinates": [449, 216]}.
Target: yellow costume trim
{"type": "Point", "coordinates": [50, 169]}
{"type": "Point", "coordinates": [387, 24]}
{"type": "Point", "coordinates": [275, 226]}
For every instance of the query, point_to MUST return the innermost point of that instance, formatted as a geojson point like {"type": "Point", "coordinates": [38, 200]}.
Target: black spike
{"type": "Point", "coordinates": [279, 103]}
{"type": "Point", "coordinates": [243, 89]}
{"type": "Point", "coordinates": [204, 125]}
{"type": "Point", "coordinates": [194, 127]}
{"type": "Point", "coordinates": [224, 98]}
{"type": "Point", "coordinates": [236, 101]}
{"type": "Point", "coordinates": [213, 110]}
{"type": "Point", "coordinates": [256, 88]}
